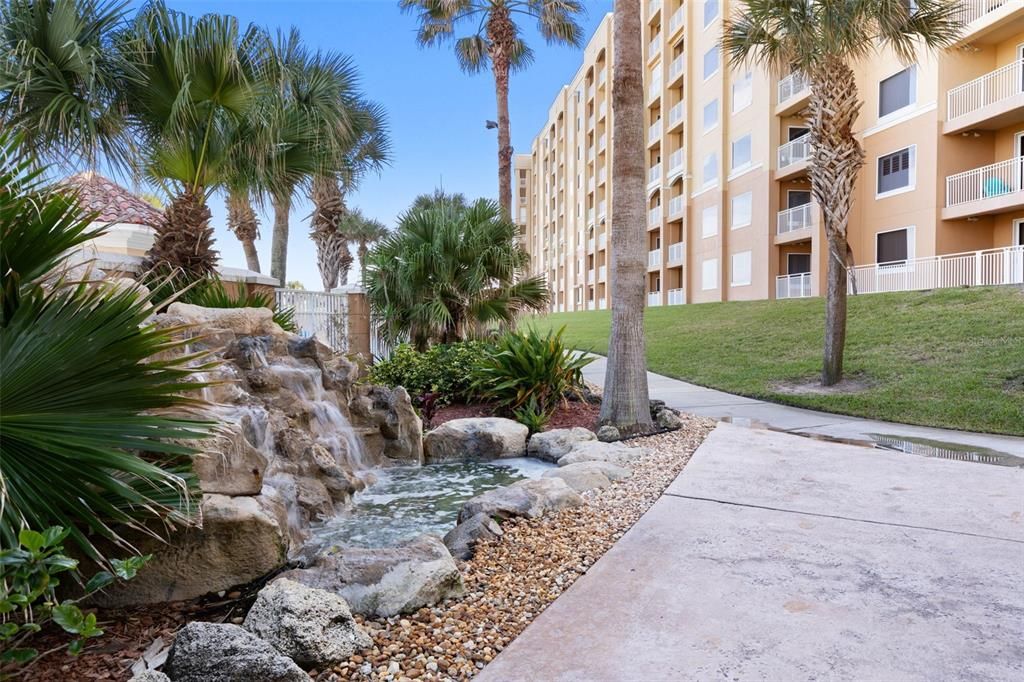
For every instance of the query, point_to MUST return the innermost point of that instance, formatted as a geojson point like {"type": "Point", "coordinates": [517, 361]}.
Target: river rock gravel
{"type": "Point", "coordinates": [511, 580]}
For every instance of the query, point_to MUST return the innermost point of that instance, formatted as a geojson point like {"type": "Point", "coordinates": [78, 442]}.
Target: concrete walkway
{"type": "Point", "coordinates": [779, 557]}
{"type": "Point", "coordinates": [708, 402]}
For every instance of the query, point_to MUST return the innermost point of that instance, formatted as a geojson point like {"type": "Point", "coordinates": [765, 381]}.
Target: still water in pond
{"type": "Point", "coordinates": [408, 501]}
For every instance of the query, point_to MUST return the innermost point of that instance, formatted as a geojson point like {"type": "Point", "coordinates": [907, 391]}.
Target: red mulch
{"type": "Point", "coordinates": [568, 415]}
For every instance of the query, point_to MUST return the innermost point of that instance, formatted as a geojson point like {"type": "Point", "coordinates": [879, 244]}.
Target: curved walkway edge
{"type": "Point", "coordinates": [709, 402]}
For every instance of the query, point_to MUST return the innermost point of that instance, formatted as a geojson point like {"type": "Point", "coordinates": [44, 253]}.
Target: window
{"type": "Point", "coordinates": [894, 246]}
{"type": "Point", "coordinates": [896, 171]}
{"type": "Point", "coordinates": [897, 91]}
{"type": "Point", "coordinates": [742, 92]}
{"type": "Point", "coordinates": [741, 152]}
{"type": "Point", "coordinates": [710, 169]}
{"type": "Point", "coordinates": [709, 221]}
{"type": "Point", "coordinates": [742, 207]}
{"type": "Point", "coordinates": [710, 115]}
{"type": "Point", "coordinates": [710, 62]}
{"type": "Point", "coordinates": [741, 265]}
{"type": "Point", "coordinates": [709, 274]}
{"type": "Point", "coordinates": [710, 11]}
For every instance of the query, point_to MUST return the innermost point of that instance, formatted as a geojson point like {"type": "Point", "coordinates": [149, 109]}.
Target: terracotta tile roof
{"type": "Point", "coordinates": [114, 203]}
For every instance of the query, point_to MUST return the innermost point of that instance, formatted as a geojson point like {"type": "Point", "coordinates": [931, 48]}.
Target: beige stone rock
{"type": "Point", "coordinates": [530, 498]}
{"type": "Point", "coordinates": [475, 438]}
{"type": "Point", "coordinates": [229, 464]}
{"type": "Point", "coordinates": [241, 321]}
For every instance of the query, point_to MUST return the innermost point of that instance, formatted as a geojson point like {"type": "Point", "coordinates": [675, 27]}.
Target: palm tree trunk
{"type": "Point", "coordinates": [242, 221]}
{"type": "Point", "coordinates": [363, 250]}
{"type": "Point", "coordinates": [501, 33]}
{"type": "Point", "coordinates": [252, 257]}
{"type": "Point", "coordinates": [279, 247]}
{"type": "Point", "coordinates": [625, 403]}
{"type": "Point", "coordinates": [837, 158]}
{"type": "Point", "coordinates": [183, 243]}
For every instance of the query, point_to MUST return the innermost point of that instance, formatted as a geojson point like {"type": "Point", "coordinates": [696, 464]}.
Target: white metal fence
{"type": "Point", "coordinates": [320, 314]}
{"type": "Point", "coordinates": [791, 85]}
{"type": "Point", "coordinates": [976, 9]}
{"type": "Point", "coordinates": [973, 268]}
{"type": "Point", "coordinates": [654, 258]}
{"type": "Point", "coordinates": [675, 252]}
{"type": "Point", "coordinates": [654, 298]}
{"type": "Point", "coordinates": [795, 151]}
{"type": "Point", "coordinates": [676, 297]}
{"type": "Point", "coordinates": [793, 286]}
{"type": "Point", "coordinates": [987, 182]}
{"type": "Point", "coordinates": [796, 218]}
{"type": "Point", "coordinates": [986, 90]}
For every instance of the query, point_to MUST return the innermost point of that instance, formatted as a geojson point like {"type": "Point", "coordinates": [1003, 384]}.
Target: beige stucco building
{"type": "Point", "coordinates": [940, 199]}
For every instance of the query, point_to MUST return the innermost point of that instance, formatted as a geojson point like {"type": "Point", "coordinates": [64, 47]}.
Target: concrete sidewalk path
{"type": "Point", "coordinates": [708, 402]}
{"type": "Point", "coordinates": [779, 557]}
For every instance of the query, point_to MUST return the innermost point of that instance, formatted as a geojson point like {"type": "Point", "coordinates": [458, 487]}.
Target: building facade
{"type": "Point", "coordinates": [940, 201]}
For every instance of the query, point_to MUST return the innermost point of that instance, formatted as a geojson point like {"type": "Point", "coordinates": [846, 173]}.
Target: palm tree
{"type": "Point", "coordinates": [456, 201]}
{"type": "Point", "coordinates": [445, 275]}
{"type": "Point", "coordinates": [363, 231]}
{"type": "Point", "coordinates": [60, 78]}
{"type": "Point", "coordinates": [824, 39]}
{"type": "Point", "coordinates": [625, 402]}
{"type": "Point", "coordinates": [497, 43]}
{"type": "Point", "coordinates": [243, 221]}
{"type": "Point", "coordinates": [196, 87]}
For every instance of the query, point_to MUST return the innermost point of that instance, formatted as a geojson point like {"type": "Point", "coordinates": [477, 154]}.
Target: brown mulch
{"type": "Point", "coordinates": [567, 416]}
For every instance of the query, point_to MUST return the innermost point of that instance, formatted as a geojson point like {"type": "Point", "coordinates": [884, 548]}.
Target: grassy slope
{"type": "Point", "coordinates": [952, 358]}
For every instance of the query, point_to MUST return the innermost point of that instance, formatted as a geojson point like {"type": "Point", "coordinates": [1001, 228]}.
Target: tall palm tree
{"type": "Point", "coordinates": [625, 403]}
{"type": "Point", "coordinates": [445, 275]}
{"type": "Point", "coordinates": [363, 231]}
{"type": "Point", "coordinates": [243, 221]}
{"type": "Point", "coordinates": [456, 201]}
{"type": "Point", "coordinates": [332, 254]}
{"type": "Point", "coordinates": [60, 78]}
{"type": "Point", "coordinates": [196, 87]}
{"type": "Point", "coordinates": [497, 43]}
{"type": "Point", "coordinates": [824, 39]}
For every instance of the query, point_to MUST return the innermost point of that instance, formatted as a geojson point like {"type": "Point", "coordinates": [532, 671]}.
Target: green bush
{"type": "Point", "coordinates": [447, 370]}
{"type": "Point", "coordinates": [529, 375]}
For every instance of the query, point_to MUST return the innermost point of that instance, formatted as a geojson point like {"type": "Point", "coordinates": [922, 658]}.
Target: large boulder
{"type": "Point", "coordinates": [402, 429]}
{"type": "Point", "coordinates": [551, 445]}
{"type": "Point", "coordinates": [220, 652]}
{"type": "Point", "coordinates": [616, 453]}
{"type": "Point", "coordinates": [313, 627]}
{"type": "Point", "coordinates": [475, 438]}
{"type": "Point", "coordinates": [461, 540]}
{"type": "Point", "coordinates": [240, 321]}
{"type": "Point", "coordinates": [240, 540]}
{"type": "Point", "coordinates": [230, 465]}
{"type": "Point", "coordinates": [582, 476]}
{"type": "Point", "coordinates": [530, 498]}
{"type": "Point", "coordinates": [386, 581]}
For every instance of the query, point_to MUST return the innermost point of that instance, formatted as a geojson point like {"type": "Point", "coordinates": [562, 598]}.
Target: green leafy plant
{"type": "Point", "coordinates": [29, 576]}
{"type": "Point", "coordinates": [211, 293]}
{"type": "Point", "coordinates": [95, 399]}
{"type": "Point", "coordinates": [446, 370]}
{"type": "Point", "coordinates": [532, 416]}
{"type": "Point", "coordinates": [530, 374]}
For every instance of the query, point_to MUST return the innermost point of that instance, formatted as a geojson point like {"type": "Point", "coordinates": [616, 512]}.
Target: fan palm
{"type": "Point", "coordinates": [196, 87]}
{"type": "Point", "coordinates": [824, 39]}
{"type": "Point", "coordinates": [88, 383]}
{"type": "Point", "coordinates": [445, 275]}
{"type": "Point", "coordinates": [363, 231]}
{"type": "Point", "coordinates": [457, 201]}
{"type": "Point", "coordinates": [60, 79]}
{"type": "Point", "coordinates": [497, 43]}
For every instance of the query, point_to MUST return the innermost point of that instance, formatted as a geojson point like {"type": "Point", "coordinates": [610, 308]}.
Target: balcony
{"type": "Point", "coordinates": [990, 102]}
{"type": "Point", "coordinates": [602, 273]}
{"type": "Point", "coordinates": [675, 117]}
{"type": "Point", "coordinates": [602, 209]}
{"type": "Point", "coordinates": [792, 223]}
{"type": "Point", "coordinates": [590, 219]}
{"type": "Point", "coordinates": [654, 298]}
{"type": "Point", "coordinates": [654, 89]}
{"type": "Point", "coordinates": [591, 276]}
{"type": "Point", "coordinates": [676, 164]}
{"type": "Point", "coordinates": [602, 142]}
{"type": "Point", "coordinates": [654, 133]}
{"type": "Point", "coordinates": [676, 22]}
{"type": "Point", "coordinates": [654, 47]}
{"type": "Point", "coordinates": [676, 69]}
{"type": "Point", "coordinates": [676, 297]}
{"type": "Point", "coordinates": [654, 259]}
{"type": "Point", "coordinates": [793, 286]}
{"type": "Point", "coordinates": [590, 92]}
{"type": "Point", "coordinates": [602, 77]}
{"type": "Point", "coordinates": [676, 253]}
{"type": "Point", "coordinates": [988, 21]}
{"type": "Point", "coordinates": [991, 267]}
{"type": "Point", "coordinates": [653, 7]}
{"type": "Point", "coordinates": [991, 189]}
{"type": "Point", "coordinates": [793, 92]}
{"type": "Point", "coordinates": [602, 111]}
{"type": "Point", "coordinates": [591, 153]}
{"type": "Point", "coordinates": [654, 217]}
{"type": "Point", "coordinates": [602, 175]}
{"type": "Point", "coordinates": [653, 177]}
{"type": "Point", "coordinates": [591, 305]}
{"type": "Point", "coordinates": [793, 158]}
{"type": "Point", "coordinates": [603, 303]}
{"type": "Point", "coordinates": [591, 121]}
{"type": "Point", "coordinates": [602, 241]}
{"type": "Point", "coordinates": [676, 206]}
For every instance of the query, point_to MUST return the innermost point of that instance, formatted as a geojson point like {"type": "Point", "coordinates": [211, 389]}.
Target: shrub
{"type": "Point", "coordinates": [211, 293]}
{"type": "Point", "coordinates": [446, 370]}
{"type": "Point", "coordinates": [529, 374]}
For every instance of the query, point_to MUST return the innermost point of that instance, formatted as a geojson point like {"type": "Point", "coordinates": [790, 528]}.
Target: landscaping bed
{"type": "Point", "coordinates": [573, 413]}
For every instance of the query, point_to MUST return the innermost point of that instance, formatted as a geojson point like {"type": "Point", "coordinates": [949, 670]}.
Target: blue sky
{"type": "Point", "coordinates": [436, 113]}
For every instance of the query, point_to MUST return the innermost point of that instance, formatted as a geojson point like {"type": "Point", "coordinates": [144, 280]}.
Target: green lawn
{"type": "Point", "coordinates": [951, 358]}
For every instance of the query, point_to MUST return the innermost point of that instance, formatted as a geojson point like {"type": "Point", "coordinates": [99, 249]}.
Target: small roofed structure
{"type": "Point", "coordinates": [130, 222]}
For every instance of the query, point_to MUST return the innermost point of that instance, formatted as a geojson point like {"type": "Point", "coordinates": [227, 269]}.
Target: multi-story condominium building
{"type": "Point", "coordinates": [940, 201]}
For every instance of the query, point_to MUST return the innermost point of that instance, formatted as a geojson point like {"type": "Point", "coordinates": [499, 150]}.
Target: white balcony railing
{"type": "Point", "coordinates": [591, 276]}
{"type": "Point", "coordinates": [654, 89]}
{"type": "Point", "coordinates": [654, 298]}
{"type": "Point", "coordinates": [653, 175]}
{"type": "Point", "coordinates": [676, 206]}
{"type": "Point", "coordinates": [676, 68]}
{"type": "Point", "coordinates": [602, 175]}
{"type": "Point", "coordinates": [591, 153]}
{"type": "Point", "coordinates": [602, 142]}
{"type": "Point", "coordinates": [654, 216]}
{"type": "Point", "coordinates": [654, 132]}
{"type": "Point", "coordinates": [793, 286]}
{"type": "Point", "coordinates": [602, 76]}
{"type": "Point", "coordinates": [654, 47]}
{"type": "Point", "coordinates": [675, 253]}
{"type": "Point", "coordinates": [602, 240]}
{"type": "Point", "coordinates": [592, 184]}
{"type": "Point", "coordinates": [796, 218]}
{"type": "Point", "coordinates": [976, 9]}
{"type": "Point", "coordinates": [602, 273]}
{"type": "Point", "coordinates": [652, 7]}
{"type": "Point", "coordinates": [591, 305]}
{"type": "Point", "coordinates": [990, 267]}
{"type": "Point", "coordinates": [654, 258]}
{"type": "Point", "coordinates": [603, 303]}
{"type": "Point", "coordinates": [602, 209]}
{"type": "Point", "coordinates": [675, 114]}
{"type": "Point", "coordinates": [591, 121]}
{"type": "Point", "coordinates": [602, 109]}
{"type": "Point", "coordinates": [992, 88]}
{"type": "Point", "coordinates": [590, 91]}
{"type": "Point", "coordinates": [590, 245]}
{"type": "Point", "coordinates": [794, 152]}
{"type": "Point", "coordinates": [676, 297]}
{"type": "Point", "coordinates": [676, 162]}
{"type": "Point", "coordinates": [791, 85]}
{"type": "Point", "coordinates": [988, 182]}
{"type": "Point", "coordinates": [590, 215]}
{"type": "Point", "coordinates": [676, 22]}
